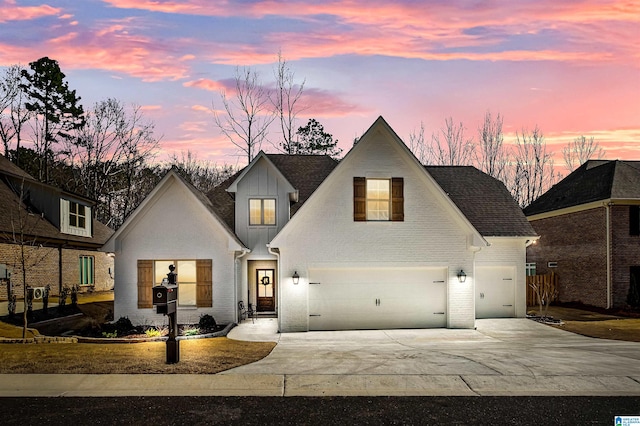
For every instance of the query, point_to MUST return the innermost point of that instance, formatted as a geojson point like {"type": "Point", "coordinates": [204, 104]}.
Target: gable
{"type": "Point", "coordinates": [170, 205]}
{"type": "Point", "coordinates": [380, 154]}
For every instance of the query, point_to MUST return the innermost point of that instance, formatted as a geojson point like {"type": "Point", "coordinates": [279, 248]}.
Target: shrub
{"type": "Point", "coordinates": [110, 335]}
{"type": "Point", "coordinates": [207, 322]}
{"type": "Point", "coordinates": [152, 332]}
{"type": "Point", "coordinates": [123, 325]}
{"type": "Point", "coordinates": [191, 331]}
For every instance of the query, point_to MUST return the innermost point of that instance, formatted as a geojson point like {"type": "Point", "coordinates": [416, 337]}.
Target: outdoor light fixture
{"type": "Point", "coordinates": [462, 277]}
{"type": "Point", "coordinates": [296, 278]}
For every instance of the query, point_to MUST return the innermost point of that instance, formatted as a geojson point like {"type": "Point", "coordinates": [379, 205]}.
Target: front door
{"type": "Point", "coordinates": [266, 300]}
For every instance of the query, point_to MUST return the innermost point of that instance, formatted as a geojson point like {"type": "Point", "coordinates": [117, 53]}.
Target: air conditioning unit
{"type": "Point", "coordinates": [37, 293]}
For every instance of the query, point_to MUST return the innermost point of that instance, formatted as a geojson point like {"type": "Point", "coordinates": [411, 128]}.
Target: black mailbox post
{"type": "Point", "coordinates": [165, 299]}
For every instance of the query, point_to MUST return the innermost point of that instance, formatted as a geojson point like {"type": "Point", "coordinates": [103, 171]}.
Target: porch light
{"type": "Point", "coordinates": [462, 277]}
{"type": "Point", "coordinates": [296, 278]}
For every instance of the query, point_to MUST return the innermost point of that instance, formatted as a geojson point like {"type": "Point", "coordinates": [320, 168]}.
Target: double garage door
{"type": "Point", "coordinates": [377, 298]}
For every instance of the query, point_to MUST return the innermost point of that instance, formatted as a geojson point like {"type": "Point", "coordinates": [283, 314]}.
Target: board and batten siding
{"type": "Point", "coordinates": [263, 180]}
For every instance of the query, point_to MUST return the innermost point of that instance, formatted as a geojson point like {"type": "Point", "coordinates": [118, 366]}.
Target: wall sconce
{"type": "Point", "coordinates": [462, 277]}
{"type": "Point", "coordinates": [296, 278]}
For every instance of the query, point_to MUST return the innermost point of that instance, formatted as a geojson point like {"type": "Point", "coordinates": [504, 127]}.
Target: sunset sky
{"type": "Point", "coordinates": [570, 67]}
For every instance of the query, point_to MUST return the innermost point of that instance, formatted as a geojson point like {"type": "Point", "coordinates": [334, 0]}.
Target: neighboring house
{"type": "Point", "coordinates": [61, 237]}
{"type": "Point", "coordinates": [589, 227]}
{"type": "Point", "coordinates": [374, 241]}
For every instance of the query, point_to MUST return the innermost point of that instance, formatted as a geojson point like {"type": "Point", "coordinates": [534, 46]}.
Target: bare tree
{"type": "Point", "coordinates": [113, 146]}
{"type": "Point", "coordinates": [247, 115]}
{"type": "Point", "coordinates": [533, 171]}
{"type": "Point", "coordinates": [285, 101]}
{"type": "Point", "coordinates": [580, 151]}
{"type": "Point", "coordinates": [13, 111]}
{"type": "Point", "coordinates": [417, 144]}
{"type": "Point", "coordinates": [204, 175]}
{"type": "Point", "coordinates": [454, 148]}
{"type": "Point", "coordinates": [491, 156]}
{"type": "Point", "coordinates": [30, 251]}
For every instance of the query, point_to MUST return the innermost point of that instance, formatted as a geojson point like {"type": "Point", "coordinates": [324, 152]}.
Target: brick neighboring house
{"type": "Point", "coordinates": [61, 236]}
{"type": "Point", "coordinates": [589, 227]}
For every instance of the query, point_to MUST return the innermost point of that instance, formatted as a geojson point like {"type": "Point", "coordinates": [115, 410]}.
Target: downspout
{"type": "Point", "coordinates": [608, 219]}
{"type": "Point", "coordinates": [276, 252]}
{"type": "Point", "coordinates": [236, 258]}
{"type": "Point", "coordinates": [60, 281]}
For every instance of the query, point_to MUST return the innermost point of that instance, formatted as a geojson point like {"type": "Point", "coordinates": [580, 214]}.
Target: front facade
{"type": "Point", "coordinates": [375, 241]}
{"type": "Point", "coordinates": [56, 232]}
{"type": "Point", "coordinates": [589, 225]}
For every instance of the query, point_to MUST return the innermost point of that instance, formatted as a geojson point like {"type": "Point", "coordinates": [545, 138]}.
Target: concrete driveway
{"type": "Point", "coordinates": [501, 357]}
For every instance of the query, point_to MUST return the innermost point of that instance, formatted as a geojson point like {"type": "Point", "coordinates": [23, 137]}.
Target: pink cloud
{"type": "Point", "coordinates": [206, 84]}
{"type": "Point", "coordinates": [111, 48]}
{"type": "Point", "coordinates": [9, 11]}
{"type": "Point", "coordinates": [322, 103]}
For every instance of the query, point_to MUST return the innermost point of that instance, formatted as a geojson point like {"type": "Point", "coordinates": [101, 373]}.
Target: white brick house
{"type": "Point", "coordinates": [377, 241]}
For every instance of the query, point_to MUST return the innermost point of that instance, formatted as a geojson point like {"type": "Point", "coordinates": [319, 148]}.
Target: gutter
{"type": "Point", "coordinates": [236, 257]}
{"type": "Point", "coordinates": [276, 252]}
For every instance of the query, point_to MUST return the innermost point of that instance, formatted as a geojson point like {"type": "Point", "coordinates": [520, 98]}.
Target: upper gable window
{"type": "Point", "coordinates": [262, 211]}
{"type": "Point", "coordinates": [378, 199]}
{"type": "Point", "coordinates": [77, 215]}
{"type": "Point", "coordinates": [75, 218]}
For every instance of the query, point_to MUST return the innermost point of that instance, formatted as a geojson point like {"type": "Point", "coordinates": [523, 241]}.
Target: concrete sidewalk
{"type": "Point", "coordinates": [501, 357]}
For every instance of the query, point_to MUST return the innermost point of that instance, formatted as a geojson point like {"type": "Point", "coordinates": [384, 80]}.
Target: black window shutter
{"type": "Point", "coordinates": [397, 199]}
{"type": "Point", "coordinates": [359, 199]}
{"type": "Point", "coordinates": [634, 220]}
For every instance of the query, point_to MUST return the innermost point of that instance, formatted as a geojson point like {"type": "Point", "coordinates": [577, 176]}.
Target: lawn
{"type": "Point", "coordinates": [199, 356]}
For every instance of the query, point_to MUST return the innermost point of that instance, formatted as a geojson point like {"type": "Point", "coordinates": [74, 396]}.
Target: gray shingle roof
{"type": "Point", "coordinates": [484, 200]}
{"type": "Point", "coordinates": [37, 228]}
{"type": "Point", "coordinates": [595, 180]}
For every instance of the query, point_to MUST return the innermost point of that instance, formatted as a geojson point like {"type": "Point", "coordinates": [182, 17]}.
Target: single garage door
{"type": "Point", "coordinates": [377, 298]}
{"type": "Point", "coordinates": [495, 291]}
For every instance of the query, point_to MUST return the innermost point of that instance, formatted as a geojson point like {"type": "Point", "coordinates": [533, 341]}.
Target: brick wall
{"type": "Point", "coordinates": [577, 241]}
{"type": "Point", "coordinates": [43, 267]}
{"type": "Point", "coordinates": [625, 253]}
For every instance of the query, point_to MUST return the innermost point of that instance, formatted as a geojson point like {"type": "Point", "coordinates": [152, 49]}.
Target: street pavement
{"type": "Point", "coordinates": [502, 357]}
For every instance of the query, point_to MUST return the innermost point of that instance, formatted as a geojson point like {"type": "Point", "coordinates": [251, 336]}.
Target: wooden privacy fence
{"type": "Point", "coordinates": [547, 281]}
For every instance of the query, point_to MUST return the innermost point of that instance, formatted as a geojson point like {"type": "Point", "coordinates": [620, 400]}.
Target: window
{"type": "Point", "coordinates": [378, 199]}
{"type": "Point", "coordinates": [634, 220]}
{"type": "Point", "coordinates": [86, 270]}
{"type": "Point", "coordinates": [262, 211]}
{"type": "Point", "coordinates": [77, 215]}
{"type": "Point", "coordinates": [187, 282]}
{"type": "Point", "coordinates": [530, 269]}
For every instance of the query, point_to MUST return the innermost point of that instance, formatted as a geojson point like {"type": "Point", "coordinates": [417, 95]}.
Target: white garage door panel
{"type": "Point", "coordinates": [495, 292]}
{"type": "Point", "coordinates": [341, 299]}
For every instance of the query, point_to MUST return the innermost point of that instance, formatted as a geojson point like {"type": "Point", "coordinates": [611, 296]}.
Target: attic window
{"type": "Point", "coordinates": [378, 199]}
{"type": "Point", "coordinates": [262, 211]}
{"type": "Point", "coordinates": [77, 215]}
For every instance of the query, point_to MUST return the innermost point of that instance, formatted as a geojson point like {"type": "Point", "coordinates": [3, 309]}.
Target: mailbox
{"type": "Point", "coordinates": [165, 298]}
